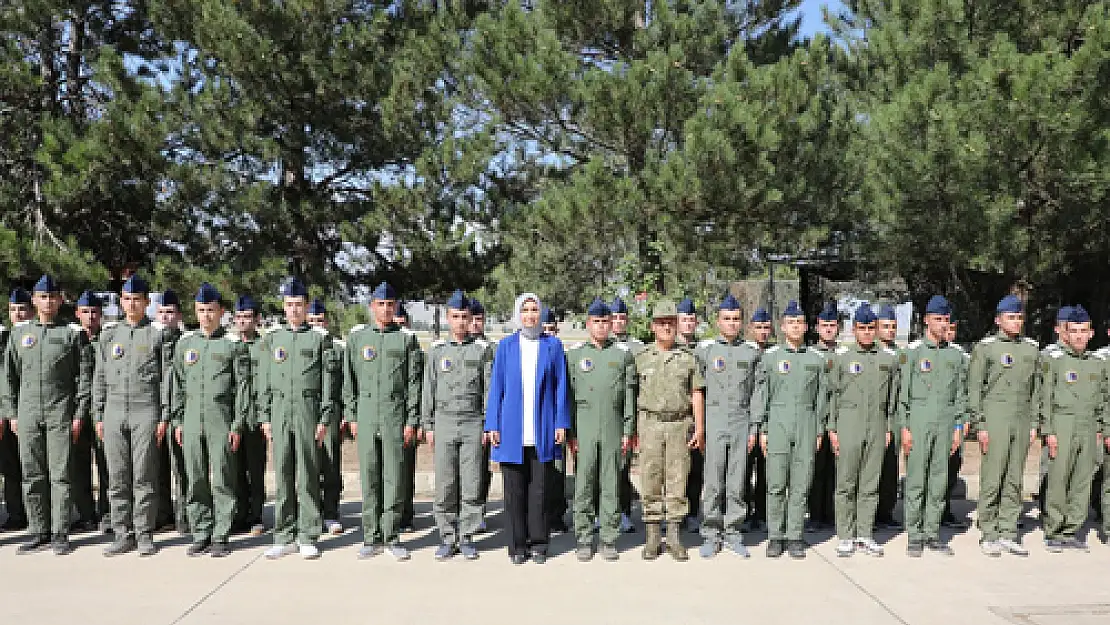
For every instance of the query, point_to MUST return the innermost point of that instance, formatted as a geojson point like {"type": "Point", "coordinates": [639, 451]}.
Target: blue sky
{"type": "Point", "coordinates": [811, 16]}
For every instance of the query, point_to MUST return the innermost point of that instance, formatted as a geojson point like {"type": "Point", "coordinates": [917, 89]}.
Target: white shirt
{"type": "Point", "coordinates": [529, 362]}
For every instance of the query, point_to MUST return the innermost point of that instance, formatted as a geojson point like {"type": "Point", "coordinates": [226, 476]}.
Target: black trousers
{"type": "Point", "coordinates": [525, 486]}
{"type": "Point", "coordinates": [695, 481]}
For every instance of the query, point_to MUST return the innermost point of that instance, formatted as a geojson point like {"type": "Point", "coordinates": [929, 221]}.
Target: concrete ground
{"type": "Point", "coordinates": [85, 587]}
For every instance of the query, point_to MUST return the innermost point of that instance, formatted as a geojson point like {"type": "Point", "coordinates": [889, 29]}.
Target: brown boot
{"type": "Point", "coordinates": [654, 543]}
{"type": "Point", "coordinates": [674, 541]}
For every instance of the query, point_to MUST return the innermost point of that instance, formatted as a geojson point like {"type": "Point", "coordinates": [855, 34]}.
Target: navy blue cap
{"type": "Point", "coordinates": [316, 307]}
{"type": "Point", "coordinates": [1079, 315]}
{"type": "Point", "coordinates": [792, 310]}
{"type": "Point", "coordinates": [864, 314]}
{"type": "Point", "coordinates": [384, 291]}
{"type": "Point", "coordinates": [88, 299]}
{"type": "Point", "coordinates": [829, 313]}
{"type": "Point", "coordinates": [458, 301]}
{"type": "Point", "coordinates": [729, 303]}
{"type": "Point", "coordinates": [476, 307]}
{"type": "Point", "coordinates": [206, 294]}
{"type": "Point", "coordinates": [886, 313]}
{"type": "Point", "coordinates": [46, 284]}
{"type": "Point", "coordinates": [938, 305]}
{"type": "Point", "coordinates": [547, 315]}
{"type": "Point", "coordinates": [598, 308]}
{"type": "Point", "coordinates": [761, 316]}
{"type": "Point", "coordinates": [618, 306]}
{"type": "Point", "coordinates": [19, 296]}
{"type": "Point", "coordinates": [1009, 304]}
{"type": "Point", "coordinates": [170, 298]}
{"type": "Point", "coordinates": [1063, 314]}
{"type": "Point", "coordinates": [294, 288]}
{"type": "Point", "coordinates": [136, 285]}
{"type": "Point", "coordinates": [686, 307]}
{"type": "Point", "coordinates": [245, 302]}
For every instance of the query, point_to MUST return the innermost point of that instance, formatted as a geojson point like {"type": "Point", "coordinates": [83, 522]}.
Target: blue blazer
{"type": "Point", "coordinates": [504, 409]}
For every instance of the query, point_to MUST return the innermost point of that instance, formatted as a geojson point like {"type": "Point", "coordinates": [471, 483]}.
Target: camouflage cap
{"type": "Point", "coordinates": [663, 309]}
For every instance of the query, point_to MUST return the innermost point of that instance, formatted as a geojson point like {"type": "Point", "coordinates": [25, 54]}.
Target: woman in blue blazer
{"type": "Point", "coordinates": [527, 418]}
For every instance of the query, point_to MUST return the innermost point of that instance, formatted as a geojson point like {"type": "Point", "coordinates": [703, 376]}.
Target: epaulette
{"type": "Point", "coordinates": [22, 323]}
{"type": "Point", "coordinates": [1031, 341]}
{"type": "Point", "coordinates": [158, 325]}
{"type": "Point", "coordinates": [340, 342]}
{"type": "Point", "coordinates": [321, 330]}
{"type": "Point", "coordinates": [752, 344]}
{"type": "Point", "coordinates": [841, 350]}
{"type": "Point", "coordinates": [576, 345]}
{"type": "Point", "coordinates": [914, 344]}
{"type": "Point", "coordinates": [958, 347]}
{"type": "Point", "coordinates": [439, 342]}
{"type": "Point", "coordinates": [988, 339]}
{"type": "Point", "coordinates": [772, 349]}
{"type": "Point", "coordinates": [1056, 353]}
{"type": "Point", "coordinates": [622, 346]}
{"type": "Point", "coordinates": [1098, 355]}
{"type": "Point", "coordinates": [706, 342]}
{"type": "Point", "coordinates": [889, 351]}
{"type": "Point", "coordinates": [109, 324]}
{"type": "Point", "coordinates": [408, 331]}
{"type": "Point", "coordinates": [228, 336]}
{"type": "Point", "coordinates": [188, 333]}
{"type": "Point", "coordinates": [76, 327]}
{"type": "Point", "coordinates": [482, 342]}
{"type": "Point", "coordinates": [361, 326]}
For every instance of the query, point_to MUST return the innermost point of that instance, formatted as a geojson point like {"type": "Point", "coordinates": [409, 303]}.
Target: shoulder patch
{"type": "Point", "coordinates": [841, 350]}
{"type": "Point", "coordinates": [361, 326]}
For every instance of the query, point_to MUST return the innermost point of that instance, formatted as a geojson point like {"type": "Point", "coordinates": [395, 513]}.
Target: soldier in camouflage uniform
{"type": "Point", "coordinates": [671, 407]}
{"type": "Point", "coordinates": [381, 391]}
{"type": "Point", "coordinates": [331, 464]}
{"type": "Point", "coordinates": [211, 404]}
{"type": "Point", "coordinates": [19, 311]}
{"type": "Point", "coordinates": [131, 406]}
{"type": "Point", "coordinates": [790, 405]}
{"type": "Point", "coordinates": [821, 492]}
{"type": "Point", "coordinates": [887, 332]}
{"type": "Point", "coordinates": [1073, 400]}
{"type": "Point", "coordinates": [250, 488]}
{"type": "Point", "coordinates": [620, 335]}
{"type": "Point", "coordinates": [728, 364]}
{"type": "Point", "coordinates": [1001, 394]}
{"type": "Point", "coordinates": [603, 386]}
{"type": "Point", "coordinates": [46, 384]}
{"type": "Point", "coordinates": [863, 383]}
{"type": "Point", "coordinates": [456, 378]}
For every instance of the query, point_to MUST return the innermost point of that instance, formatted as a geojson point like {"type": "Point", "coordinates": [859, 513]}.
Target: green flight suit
{"type": "Point", "coordinates": [212, 398]}
{"type": "Point", "coordinates": [331, 463]}
{"type": "Point", "coordinates": [172, 479]}
{"type": "Point", "coordinates": [790, 404]}
{"type": "Point", "coordinates": [729, 369]}
{"type": "Point", "coordinates": [1001, 397]}
{"type": "Point", "coordinates": [1042, 490]}
{"type": "Point", "coordinates": [131, 398]}
{"type": "Point", "coordinates": [10, 465]}
{"type": "Point", "coordinates": [456, 380]}
{"type": "Point", "coordinates": [635, 346]}
{"type": "Point", "coordinates": [250, 486]}
{"type": "Point", "coordinates": [381, 394]}
{"type": "Point", "coordinates": [47, 375]}
{"type": "Point", "coordinates": [1073, 398]}
{"type": "Point", "coordinates": [81, 459]}
{"type": "Point", "coordinates": [408, 472]}
{"type": "Point", "coordinates": [487, 470]}
{"type": "Point", "coordinates": [888, 476]}
{"type": "Point", "coordinates": [863, 384]}
{"type": "Point", "coordinates": [603, 415]}
{"type": "Point", "coordinates": [822, 492]}
{"type": "Point", "coordinates": [932, 400]}
{"type": "Point", "coordinates": [297, 373]}
{"type": "Point", "coordinates": [665, 424]}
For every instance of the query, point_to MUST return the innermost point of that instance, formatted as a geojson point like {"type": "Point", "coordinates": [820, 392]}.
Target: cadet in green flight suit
{"type": "Point", "coordinates": [755, 475]}
{"type": "Point", "coordinates": [456, 380]}
{"type": "Point", "coordinates": [1001, 397]}
{"type": "Point", "coordinates": [1061, 331]}
{"type": "Point", "coordinates": [211, 404]}
{"type": "Point", "coordinates": [250, 486]}
{"type": "Point", "coordinates": [90, 509]}
{"type": "Point", "coordinates": [47, 373]}
{"type": "Point", "coordinates": [887, 332]}
{"type": "Point", "coordinates": [331, 464]}
{"type": "Point", "coordinates": [478, 331]}
{"type": "Point", "coordinates": [408, 468]}
{"type": "Point", "coordinates": [295, 407]}
{"type": "Point", "coordinates": [863, 383]}
{"type": "Point", "coordinates": [1073, 403]}
{"type": "Point", "coordinates": [932, 402]}
{"type": "Point", "coordinates": [635, 346]}
{"type": "Point", "coordinates": [130, 403]}
{"type": "Point", "coordinates": [171, 457]}
{"type": "Point", "coordinates": [728, 364]}
{"type": "Point", "coordinates": [19, 310]}
{"type": "Point", "coordinates": [603, 386]}
{"type": "Point", "coordinates": [790, 405]}
{"type": "Point", "coordinates": [821, 492]}
{"type": "Point", "coordinates": [381, 391]}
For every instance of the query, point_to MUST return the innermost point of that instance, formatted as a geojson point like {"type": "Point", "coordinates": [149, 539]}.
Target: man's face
{"type": "Point", "coordinates": [828, 330]}
{"type": "Point", "coordinates": [478, 325]}
{"type": "Point", "coordinates": [794, 329]}
{"type": "Point", "coordinates": [687, 324]}
{"type": "Point", "coordinates": [530, 313]}
{"type": "Point", "coordinates": [317, 321]}
{"type": "Point", "coordinates": [47, 304]}
{"type": "Point", "coordinates": [383, 311]}
{"type": "Point", "coordinates": [599, 328]}
{"type": "Point", "coordinates": [864, 333]}
{"type": "Point", "coordinates": [1010, 323]}
{"type": "Point", "coordinates": [1079, 335]}
{"type": "Point", "coordinates": [729, 323]}
{"type": "Point", "coordinates": [459, 322]}
{"type": "Point", "coordinates": [937, 326]}
{"type": "Point", "coordinates": [760, 331]}
{"type": "Point", "coordinates": [888, 330]}
{"type": "Point", "coordinates": [169, 316]}
{"type": "Point", "coordinates": [294, 308]}
{"type": "Point", "coordinates": [620, 323]}
{"type": "Point", "coordinates": [664, 329]}
{"type": "Point", "coordinates": [90, 317]}
{"type": "Point", "coordinates": [19, 312]}
{"type": "Point", "coordinates": [208, 315]}
{"type": "Point", "coordinates": [950, 332]}
{"type": "Point", "coordinates": [246, 322]}
{"type": "Point", "coordinates": [134, 305]}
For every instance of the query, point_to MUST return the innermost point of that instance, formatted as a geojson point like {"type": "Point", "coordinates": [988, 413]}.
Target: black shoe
{"type": "Point", "coordinates": [950, 521]}
{"type": "Point", "coordinates": [106, 525]}
{"type": "Point", "coordinates": [539, 557]}
{"type": "Point", "coordinates": [61, 546]}
{"type": "Point", "coordinates": [936, 546]}
{"type": "Point", "coordinates": [164, 525]}
{"type": "Point", "coordinates": [41, 542]}
{"type": "Point", "coordinates": [122, 545]}
{"type": "Point", "coordinates": [559, 527]}
{"type": "Point", "coordinates": [13, 525]}
{"type": "Point", "coordinates": [182, 527]}
{"type": "Point", "coordinates": [83, 526]}
{"type": "Point", "coordinates": [518, 558]}
{"type": "Point", "coordinates": [240, 527]}
{"type": "Point", "coordinates": [775, 548]}
{"type": "Point", "coordinates": [145, 545]}
{"type": "Point", "coordinates": [198, 548]}
{"type": "Point", "coordinates": [797, 549]}
{"type": "Point", "coordinates": [915, 549]}
{"type": "Point", "coordinates": [1077, 544]}
{"type": "Point", "coordinates": [1054, 545]}
{"type": "Point", "coordinates": [219, 549]}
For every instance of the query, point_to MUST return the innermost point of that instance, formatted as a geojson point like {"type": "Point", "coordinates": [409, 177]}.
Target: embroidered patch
{"type": "Point", "coordinates": [369, 353]}
{"type": "Point", "coordinates": [280, 354]}
{"type": "Point", "coordinates": [1006, 360]}
{"type": "Point", "coordinates": [586, 365]}
{"type": "Point", "coordinates": [117, 351]}
{"type": "Point", "coordinates": [783, 366]}
{"type": "Point", "coordinates": [925, 365]}
{"type": "Point", "coordinates": [446, 365]}
{"type": "Point", "coordinates": [1071, 377]}
{"type": "Point", "coordinates": [191, 356]}
{"type": "Point", "coordinates": [718, 364]}
{"type": "Point", "coordinates": [28, 340]}
{"type": "Point", "coordinates": [855, 368]}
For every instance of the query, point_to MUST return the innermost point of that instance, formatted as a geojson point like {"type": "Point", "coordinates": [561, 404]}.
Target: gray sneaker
{"type": "Point", "coordinates": [845, 548]}
{"type": "Point", "coordinates": [399, 552]}
{"type": "Point", "coordinates": [279, 551]}
{"type": "Point", "coordinates": [870, 547]}
{"type": "Point", "coordinates": [370, 551]}
{"type": "Point", "coordinates": [709, 548]}
{"type": "Point", "coordinates": [609, 553]}
{"type": "Point", "coordinates": [737, 547]}
{"type": "Point", "coordinates": [990, 548]}
{"type": "Point", "coordinates": [585, 552]}
{"type": "Point", "coordinates": [936, 546]}
{"type": "Point", "coordinates": [146, 545]}
{"type": "Point", "coordinates": [122, 544]}
{"type": "Point", "coordinates": [468, 550]}
{"type": "Point", "coordinates": [1013, 547]}
{"type": "Point", "coordinates": [444, 552]}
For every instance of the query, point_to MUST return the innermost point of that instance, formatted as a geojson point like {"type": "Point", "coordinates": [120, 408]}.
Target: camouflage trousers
{"type": "Point", "coordinates": [664, 465]}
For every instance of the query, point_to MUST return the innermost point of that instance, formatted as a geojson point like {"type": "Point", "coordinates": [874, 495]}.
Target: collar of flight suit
{"type": "Point", "coordinates": [53, 323]}
{"type": "Point", "coordinates": [785, 346]}
{"type": "Point", "coordinates": [217, 333]}
{"type": "Point", "coordinates": [733, 343]}
{"type": "Point", "coordinates": [470, 338]}
{"type": "Point", "coordinates": [604, 344]}
{"type": "Point", "coordinates": [143, 322]}
{"type": "Point", "coordinates": [389, 327]}
{"type": "Point", "coordinates": [934, 344]}
{"type": "Point", "coordinates": [860, 349]}
{"type": "Point", "coordinates": [1071, 351]}
{"type": "Point", "coordinates": [1002, 336]}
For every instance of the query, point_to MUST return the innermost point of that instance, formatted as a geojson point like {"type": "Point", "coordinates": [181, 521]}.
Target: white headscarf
{"type": "Point", "coordinates": [528, 333]}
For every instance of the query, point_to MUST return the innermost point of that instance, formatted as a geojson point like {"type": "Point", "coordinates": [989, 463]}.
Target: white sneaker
{"type": "Point", "coordinates": [870, 547]}
{"type": "Point", "coordinates": [278, 551]}
{"type": "Point", "coordinates": [1012, 547]}
{"type": "Point", "coordinates": [845, 548]}
{"type": "Point", "coordinates": [309, 552]}
{"type": "Point", "coordinates": [990, 548]}
{"type": "Point", "coordinates": [334, 528]}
